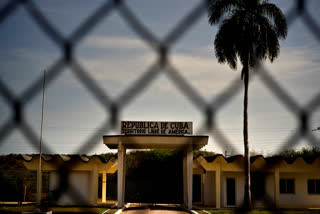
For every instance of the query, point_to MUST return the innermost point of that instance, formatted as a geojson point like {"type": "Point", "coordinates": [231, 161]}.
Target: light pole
{"type": "Point", "coordinates": [39, 175]}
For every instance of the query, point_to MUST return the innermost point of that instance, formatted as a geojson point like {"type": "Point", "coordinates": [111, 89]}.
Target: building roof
{"type": "Point", "coordinates": [155, 141]}
{"type": "Point", "coordinates": [102, 163]}
{"type": "Point", "coordinates": [271, 160]}
{"type": "Point", "coordinates": [67, 158]}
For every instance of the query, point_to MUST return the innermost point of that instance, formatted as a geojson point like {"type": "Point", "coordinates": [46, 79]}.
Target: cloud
{"type": "Point", "coordinates": [198, 66]}
{"type": "Point", "coordinates": [294, 62]}
{"type": "Point", "coordinates": [107, 42]}
{"type": "Point", "coordinates": [203, 73]}
{"type": "Point", "coordinates": [297, 71]}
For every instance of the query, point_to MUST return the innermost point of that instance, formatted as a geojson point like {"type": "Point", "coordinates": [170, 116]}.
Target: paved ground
{"type": "Point", "coordinates": [153, 211]}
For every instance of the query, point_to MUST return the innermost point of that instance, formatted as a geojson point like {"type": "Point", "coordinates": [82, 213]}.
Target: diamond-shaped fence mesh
{"type": "Point", "coordinates": [162, 49]}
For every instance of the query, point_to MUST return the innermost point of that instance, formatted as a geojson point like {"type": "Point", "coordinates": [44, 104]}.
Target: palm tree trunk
{"type": "Point", "coordinates": [247, 191]}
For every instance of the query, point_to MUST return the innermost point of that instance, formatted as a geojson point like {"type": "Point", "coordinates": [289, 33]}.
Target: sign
{"type": "Point", "coordinates": [155, 128]}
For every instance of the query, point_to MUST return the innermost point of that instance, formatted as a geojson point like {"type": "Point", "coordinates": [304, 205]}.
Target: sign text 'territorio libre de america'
{"type": "Point", "coordinates": [155, 128]}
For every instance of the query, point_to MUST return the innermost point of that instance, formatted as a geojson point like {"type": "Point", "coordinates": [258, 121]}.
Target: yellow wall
{"type": "Point", "coordinates": [239, 182]}
{"type": "Point", "coordinates": [300, 198]}
{"type": "Point", "coordinates": [83, 176]}
{"type": "Point", "coordinates": [299, 170]}
{"type": "Point", "coordinates": [76, 180]}
{"type": "Point", "coordinates": [209, 188]}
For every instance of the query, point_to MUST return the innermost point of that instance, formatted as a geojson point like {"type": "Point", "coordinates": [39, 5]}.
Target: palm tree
{"type": "Point", "coordinates": [249, 32]}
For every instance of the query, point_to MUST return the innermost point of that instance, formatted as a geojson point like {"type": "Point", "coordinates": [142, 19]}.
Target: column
{"type": "Point", "coordinates": [104, 186]}
{"type": "Point", "coordinates": [94, 185]}
{"type": "Point", "coordinates": [121, 174]}
{"type": "Point", "coordinates": [187, 177]}
{"type": "Point", "coordinates": [218, 186]}
{"type": "Point", "coordinates": [202, 183]}
{"type": "Point", "coordinates": [276, 186]}
{"type": "Point", "coordinates": [184, 171]}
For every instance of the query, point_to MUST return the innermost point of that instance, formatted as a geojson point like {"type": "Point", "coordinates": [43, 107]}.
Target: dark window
{"type": "Point", "coordinates": [314, 186]}
{"type": "Point", "coordinates": [100, 185]}
{"type": "Point", "coordinates": [231, 191]}
{"type": "Point", "coordinates": [258, 185]}
{"type": "Point", "coordinates": [196, 189]}
{"type": "Point", "coordinates": [287, 186]}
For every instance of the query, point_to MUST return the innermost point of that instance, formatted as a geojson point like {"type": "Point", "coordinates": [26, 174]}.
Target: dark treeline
{"type": "Point", "coordinates": [308, 154]}
{"type": "Point", "coordinates": [16, 182]}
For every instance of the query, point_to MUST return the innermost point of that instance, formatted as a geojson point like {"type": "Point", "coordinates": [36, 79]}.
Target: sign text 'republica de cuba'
{"type": "Point", "coordinates": [156, 128]}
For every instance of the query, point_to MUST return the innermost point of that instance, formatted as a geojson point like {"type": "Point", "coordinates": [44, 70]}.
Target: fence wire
{"type": "Point", "coordinates": [161, 47]}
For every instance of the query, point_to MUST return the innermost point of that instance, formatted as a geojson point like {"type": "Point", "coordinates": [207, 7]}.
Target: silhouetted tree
{"type": "Point", "coordinates": [249, 31]}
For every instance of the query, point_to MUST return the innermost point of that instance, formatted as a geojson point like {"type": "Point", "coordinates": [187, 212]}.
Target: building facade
{"type": "Point", "coordinates": [275, 183]}
{"type": "Point", "coordinates": [218, 182]}
{"type": "Point", "coordinates": [82, 173]}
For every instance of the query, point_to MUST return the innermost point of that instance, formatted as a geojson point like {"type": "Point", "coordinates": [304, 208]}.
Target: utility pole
{"type": "Point", "coordinates": [39, 174]}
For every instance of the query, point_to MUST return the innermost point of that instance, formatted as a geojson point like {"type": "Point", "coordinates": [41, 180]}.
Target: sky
{"type": "Point", "coordinates": [115, 57]}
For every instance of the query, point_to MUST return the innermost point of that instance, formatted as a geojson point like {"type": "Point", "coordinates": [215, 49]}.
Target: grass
{"type": "Point", "coordinates": [11, 209]}
{"type": "Point", "coordinates": [16, 208]}
{"type": "Point", "coordinates": [57, 209]}
{"type": "Point", "coordinates": [280, 211]}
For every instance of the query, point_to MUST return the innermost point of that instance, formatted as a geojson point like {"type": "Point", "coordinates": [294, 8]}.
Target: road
{"type": "Point", "coordinates": [134, 209]}
{"type": "Point", "coordinates": [153, 211]}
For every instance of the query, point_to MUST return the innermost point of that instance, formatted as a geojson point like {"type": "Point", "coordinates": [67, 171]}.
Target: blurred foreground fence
{"type": "Point", "coordinates": [161, 48]}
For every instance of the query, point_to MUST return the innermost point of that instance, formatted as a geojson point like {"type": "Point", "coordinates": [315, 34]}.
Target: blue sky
{"type": "Point", "coordinates": [115, 56]}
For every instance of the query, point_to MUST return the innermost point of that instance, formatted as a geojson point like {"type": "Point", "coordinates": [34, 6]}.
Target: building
{"type": "Point", "coordinates": [218, 182]}
{"type": "Point", "coordinates": [212, 181]}
{"type": "Point", "coordinates": [82, 173]}
{"type": "Point", "coordinates": [275, 182]}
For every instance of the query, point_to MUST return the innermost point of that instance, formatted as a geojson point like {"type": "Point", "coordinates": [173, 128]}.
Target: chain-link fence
{"type": "Point", "coordinates": [161, 47]}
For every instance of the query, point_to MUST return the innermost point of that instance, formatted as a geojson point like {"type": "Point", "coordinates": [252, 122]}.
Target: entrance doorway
{"type": "Point", "coordinates": [186, 144]}
{"type": "Point", "coordinates": [154, 177]}
{"type": "Point", "coordinates": [231, 192]}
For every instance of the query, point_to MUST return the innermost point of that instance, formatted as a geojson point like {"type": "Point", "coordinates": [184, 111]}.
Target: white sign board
{"type": "Point", "coordinates": [155, 128]}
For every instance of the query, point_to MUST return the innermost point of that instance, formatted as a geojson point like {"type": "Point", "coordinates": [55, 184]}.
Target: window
{"type": "Point", "coordinates": [314, 186]}
{"type": "Point", "coordinates": [287, 186]}
{"type": "Point", "coordinates": [196, 188]}
{"type": "Point", "coordinates": [258, 185]}
{"type": "Point", "coordinates": [231, 191]}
